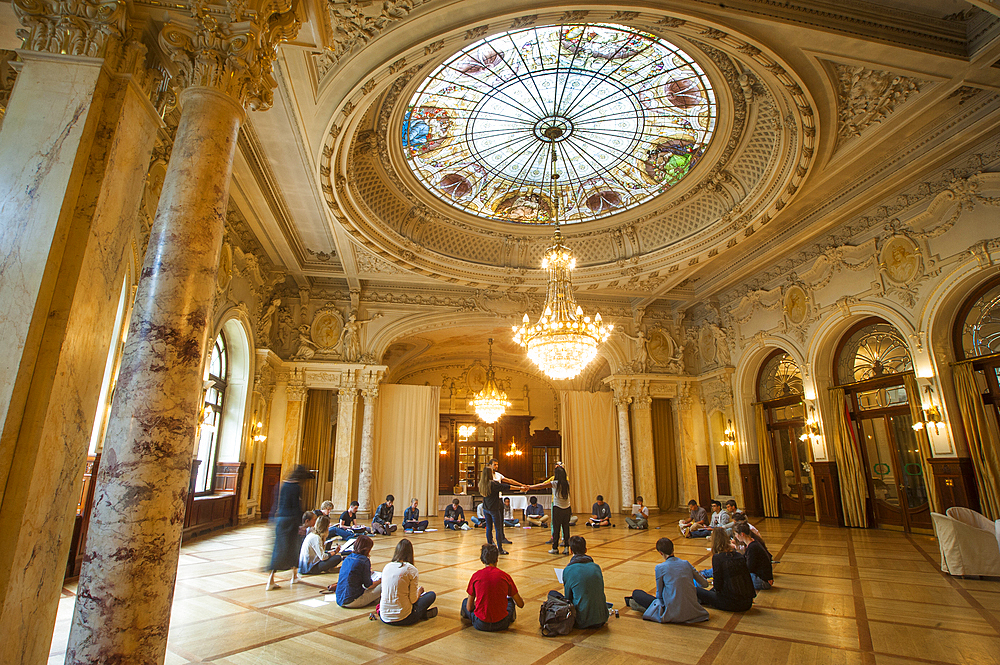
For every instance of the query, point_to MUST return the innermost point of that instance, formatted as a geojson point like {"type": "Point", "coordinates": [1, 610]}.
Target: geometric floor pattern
{"type": "Point", "coordinates": [841, 596]}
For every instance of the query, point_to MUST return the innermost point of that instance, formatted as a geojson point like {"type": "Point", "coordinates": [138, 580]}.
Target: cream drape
{"type": "Point", "coordinates": [665, 454]}
{"type": "Point", "coordinates": [923, 442]}
{"type": "Point", "coordinates": [853, 488]}
{"type": "Point", "coordinates": [984, 441]}
{"type": "Point", "coordinates": [405, 441]}
{"type": "Point", "coordinates": [768, 483]}
{"type": "Point", "coordinates": [316, 452]}
{"type": "Point", "coordinates": [590, 448]}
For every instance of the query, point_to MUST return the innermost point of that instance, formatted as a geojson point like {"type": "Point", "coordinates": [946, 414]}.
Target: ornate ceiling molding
{"type": "Point", "coordinates": [866, 97]}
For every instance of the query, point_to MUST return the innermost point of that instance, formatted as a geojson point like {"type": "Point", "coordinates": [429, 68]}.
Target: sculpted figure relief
{"type": "Point", "coordinates": [306, 346]}
{"type": "Point", "coordinates": [350, 337]}
{"type": "Point", "coordinates": [641, 356]}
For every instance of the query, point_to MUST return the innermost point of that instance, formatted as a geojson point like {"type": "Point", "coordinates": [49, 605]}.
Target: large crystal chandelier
{"type": "Point", "coordinates": [490, 403]}
{"type": "Point", "coordinates": [563, 341]}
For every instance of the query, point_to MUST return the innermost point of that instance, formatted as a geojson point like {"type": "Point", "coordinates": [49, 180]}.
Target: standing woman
{"type": "Point", "coordinates": [493, 506]}
{"type": "Point", "coordinates": [562, 509]}
{"type": "Point", "coordinates": [286, 526]}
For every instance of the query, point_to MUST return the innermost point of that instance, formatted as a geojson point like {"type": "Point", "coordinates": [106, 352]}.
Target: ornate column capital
{"type": "Point", "coordinates": [92, 28]}
{"type": "Point", "coordinates": [370, 394]}
{"type": "Point", "coordinates": [348, 395]}
{"type": "Point", "coordinates": [233, 54]}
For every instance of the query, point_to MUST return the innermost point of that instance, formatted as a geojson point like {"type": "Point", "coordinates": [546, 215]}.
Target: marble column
{"type": "Point", "coordinates": [367, 452]}
{"type": "Point", "coordinates": [343, 455]}
{"type": "Point", "coordinates": [642, 445]}
{"type": "Point", "coordinates": [74, 150]}
{"type": "Point", "coordinates": [295, 417]}
{"type": "Point", "coordinates": [687, 458]}
{"type": "Point", "coordinates": [622, 400]}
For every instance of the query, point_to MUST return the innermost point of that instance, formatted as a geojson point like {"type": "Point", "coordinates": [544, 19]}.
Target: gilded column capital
{"type": "Point", "coordinates": [370, 394]}
{"type": "Point", "coordinates": [91, 28]}
{"type": "Point", "coordinates": [296, 392]}
{"type": "Point", "coordinates": [233, 54]}
{"type": "Point", "coordinates": [348, 395]}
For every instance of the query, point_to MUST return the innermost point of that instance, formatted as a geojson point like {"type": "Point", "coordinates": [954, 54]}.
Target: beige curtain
{"type": "Point", "coordinates": [316, 453]}
{"type": "Point", "coordinates": [853, 489]}
{"type": "Point", "coordinates": [923, 442]}
{"type": "Point", "coordinates": [768, 484]}
{"type": "Point", "coordinates": [665, 454]}
{"type": "Point", "coordinates": [590, 448]}
{"type": "Point", "coordinates": [984, 441]}
{"type": "Point", "coordinates": [405, 440]}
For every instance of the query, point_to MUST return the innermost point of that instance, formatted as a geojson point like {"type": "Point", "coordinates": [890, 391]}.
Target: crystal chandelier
{"type": "Point", "coordinates": [490, 403]}
{"type": "Point", "coordinates": [563, 341]}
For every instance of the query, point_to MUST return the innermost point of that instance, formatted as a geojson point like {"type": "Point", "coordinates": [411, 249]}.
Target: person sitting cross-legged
{"type": "Point", "coordinates": [454, 516]}
{"type": "Point", "coordinates": [640, 515]}
{"type": "Point", "coordinates": [534, 514]}
{"type": "Point", "coordinates": [382, 520]}
{"type": "Point", "coordinates": [344, 528]}
{"type": "Point", "coordinates": [313, 557]}
{"type": "Point", "coordinates": [411, 518]}
{"type": "Point", "coordinates": [508, 515]}
{"type": "Point", "coordinates": [695, 525]}
{"type": "Point", "coordinates": [490, 605]}
{"type": "Point", "coordinates": [732, 589]}
{"type": "Point", "coordinates": [757, 556]}
{"type": "Point", "coordinates": [676, 599]}
{"type": "Point", "coordinates": [404, 602]}
{"type": "Point", "coordinates": [583, 584]}
{"type": "Point", "coordinates": [355, 586]}
{"type": "Point", "coordinates": [600, 513]}
{"type": "Point", "coordinates": [479, 519]}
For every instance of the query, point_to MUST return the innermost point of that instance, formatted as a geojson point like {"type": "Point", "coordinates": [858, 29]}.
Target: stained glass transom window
{"type": "Point", "coordinates": [780, 377]}
{"type": "Point", "coordinates": [981, 329]}
{"type": "Point", "coordinates": [873, 351]}
{"type": "Point", "coordinates": [629, 115]}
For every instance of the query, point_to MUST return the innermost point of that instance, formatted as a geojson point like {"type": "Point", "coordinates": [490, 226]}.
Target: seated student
{"type": "Point", "coordinates": [344, 528]}
{"type": "Point", "coordinates": [757, 556]}
{"type": "Point", "coordinates": [732, 589]}
{"type": "Point", "coordinates": [492, 595]}
{"type": "Point", "coordinates": [355, 586]}
{"type": "Point", "coordinates": [742, 517]}
{"type": "Point", "coordinates": [508, 515]}
{"type": "Point", "coordinates": [600, 513]}
{"type": "Point", "coordinates": [479, 519]}
{"type": "Point", "coordinates": [404, 601]}
{"type": "Point", "coordinates": [694, 525]}
{"type": "Point", "coordinates": [454, 516]}
{"type": "Point", "coordinates": [382, 521]}
{"type": "Point", "coordinates": [313, 557]}
{"type": "Point", "coordinates": [720, 518]}
{"type": "Point", "coordinates": [640, 515]}
{"type": "Point", "coordinates": [676, 599]}
{"type": "Point", "coordinates": [411, 519]}
{"type": "Point", "coordinates": [583, 584]}
{"type": "Point", "coordinates": [534, 514]}
{"type": "Point", "coordinates": [726, 517]}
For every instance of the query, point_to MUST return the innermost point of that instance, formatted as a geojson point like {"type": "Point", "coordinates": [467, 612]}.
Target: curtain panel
{"type": "Point", "coordinates": [316, 449]}
{"type": "Point", "coordinates": [405, 441]}
{"type": "Point", "coordinates": [923, 441]}
{"type": "Point", "coordinates": [853, 488]}
{"type": "Point", "coordinates": [765, 455]}
{"type": "Point", "coordinates": [590, 448]}
{"type": "Point", "coordinates": [665, 454]}
{"type": "Point", "coordinates": [984, 441]}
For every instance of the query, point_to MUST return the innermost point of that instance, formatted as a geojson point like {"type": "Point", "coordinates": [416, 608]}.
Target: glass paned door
{"type": "Point", "coordinates": [794, 472]}
{"type": "Point", "coordinates": [897, 479]}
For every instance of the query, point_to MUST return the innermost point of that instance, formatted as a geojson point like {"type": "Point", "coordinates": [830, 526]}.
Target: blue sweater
{"type": "Point", "coordinates": [355, 577]}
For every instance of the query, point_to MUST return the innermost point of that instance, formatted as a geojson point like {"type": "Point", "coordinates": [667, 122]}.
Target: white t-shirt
{"type": "Point", "coordinates": [399, 591]}
{"type": "Point", "coordinates": [312, 551]}
{"type": "Point", "coordinates": [643, 513]}
{"type": "Point", "coordinates": [557, 500]}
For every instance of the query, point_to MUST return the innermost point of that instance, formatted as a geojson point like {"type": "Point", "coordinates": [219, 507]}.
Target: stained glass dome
{"type": "Point", "coordinates": [627, 114]}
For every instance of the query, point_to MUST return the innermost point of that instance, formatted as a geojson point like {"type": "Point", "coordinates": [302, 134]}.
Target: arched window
{"type": "Point", "coordinates": [216, 381]}
{"type": "Point", "coordinates": [780, 376]}
{"type": "Point", "coordinates": [873, 367]}
{"type": "Point", "coordinates": [977, 329]}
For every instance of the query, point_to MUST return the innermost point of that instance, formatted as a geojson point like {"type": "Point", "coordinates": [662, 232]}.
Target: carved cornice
{"type": "Point", "coordinates": [352, 25]}
{"type": "Point", "coordinates": [233, 55]}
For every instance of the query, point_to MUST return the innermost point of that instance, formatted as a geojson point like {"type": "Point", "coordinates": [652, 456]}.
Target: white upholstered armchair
{"type": "Point", "coordinates": [969, 542]}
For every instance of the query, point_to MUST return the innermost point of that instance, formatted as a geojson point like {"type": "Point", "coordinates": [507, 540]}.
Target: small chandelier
{"type": "Point", "coordinates": [811, 433]}
{"type": "Point", "coordinates": [563, 341]}
{"type": "Point", "coordinates": [490, 403]}
{"type": "Point", "coordinates": [932, 415]}
{"type": "Point", "coordinates": [514, 451]}
{"type": "Point", "coordinates": [729, 436]}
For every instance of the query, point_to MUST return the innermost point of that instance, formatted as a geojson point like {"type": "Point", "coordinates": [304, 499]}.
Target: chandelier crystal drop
{"type": "Point", "coordinates": [563, 341]}
{"type": "Point", "coordinates": [490, 403]}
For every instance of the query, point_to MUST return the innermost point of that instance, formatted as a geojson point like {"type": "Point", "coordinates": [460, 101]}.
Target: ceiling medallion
{"type": "Point", "coordinates": [564, 341]}
{"type": "Point", "coordinates": [490, 403]}
{"type": "Point", "coordinates": [628, 114]}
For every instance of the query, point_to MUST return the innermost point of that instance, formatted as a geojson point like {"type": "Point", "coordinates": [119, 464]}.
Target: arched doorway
{"type": "Point", "coordinates": [872, 365]}
{"type": "Point", "coordinates": [976, 340]}
{"type": "Point", "coordinates": [779, 391]}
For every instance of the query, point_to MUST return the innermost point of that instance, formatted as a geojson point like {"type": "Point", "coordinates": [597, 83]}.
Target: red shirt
{"type": "Point", "coordinates": [491, 587]}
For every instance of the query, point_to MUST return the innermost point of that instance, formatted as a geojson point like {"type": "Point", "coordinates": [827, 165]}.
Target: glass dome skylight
{"type": "Point", "coordinates": [629, 114]}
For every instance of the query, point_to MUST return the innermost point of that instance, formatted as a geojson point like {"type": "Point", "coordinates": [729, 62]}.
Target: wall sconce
{"type": "Point", "coordinates": [932, 415]}
{"type": "Point", "coordinates": [441, 449]}
{"type": "Point", "coordinates": [729, 435]}
{"type": "Point", "coordinates": [513, 450]}
{"type": "Point", "coordinates": [811, 433]}
{"type": "Point", "coordinates": [258, 435]}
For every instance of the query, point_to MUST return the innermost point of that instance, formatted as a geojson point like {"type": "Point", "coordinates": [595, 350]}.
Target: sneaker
{"type": "Point", "coordinates": [431, 613]}
{"type": "Point", "coordinates": [465, 527]}
{"type": "Point", "coordinates": [504, 552]}
{"type": "Point", "coordinates": [634, 605]}
{"type": "Point", "coordinates": [554, 550]}
{"type": "Point", "coordinates": [566, 550]}
{"type": "Point", "coordinates": [590, 524]}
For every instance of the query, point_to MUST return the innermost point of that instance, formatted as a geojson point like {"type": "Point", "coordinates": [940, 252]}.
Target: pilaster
{"type": "Point", "coordinates": [343, 465]}
{"type": "Point", "coordinates": [622, 399]}
{"type": "Point", "coordinates": [642, 442]}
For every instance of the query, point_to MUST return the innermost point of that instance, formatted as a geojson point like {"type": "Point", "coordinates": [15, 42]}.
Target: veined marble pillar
{"type": "Point", "coordinates": [343, 461]}
{"type": "Point", "coordinates": [295, 417]}
{"type": "Point", "coordinates": [367, 452]}
{"type": "Point", "coordinates": [75, 148]}
{"type": "Point", "coordinates": [684, 422]}
{"type": "Point", "coordinates": [126, 586]}
{"type": "Point", "coordinates": [642, 443]}
{"type": "Point", "coordinates": [624, 449]}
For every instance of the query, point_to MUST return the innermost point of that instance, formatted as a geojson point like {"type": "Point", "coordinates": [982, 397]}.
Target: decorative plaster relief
{"type": "Point", "coordinates": [867, 96]}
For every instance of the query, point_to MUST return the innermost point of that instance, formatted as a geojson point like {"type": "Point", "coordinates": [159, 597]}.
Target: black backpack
{"type": "Point", "coordinates": [557, 615]}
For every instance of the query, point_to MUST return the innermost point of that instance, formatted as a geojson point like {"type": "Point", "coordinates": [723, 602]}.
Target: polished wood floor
{"type": "Point", "coordinates": [842, 596]}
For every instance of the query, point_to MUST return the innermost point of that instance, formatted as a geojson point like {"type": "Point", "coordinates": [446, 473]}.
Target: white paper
{"type": "Point", "coordinates": [559, 574]}
{"type": "Point", "coordinates": [376, 576]}
{"type": "Point", "coordinates": [313, 602]}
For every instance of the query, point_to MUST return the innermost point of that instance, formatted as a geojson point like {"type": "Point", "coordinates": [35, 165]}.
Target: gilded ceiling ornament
{"type": "Point", "coordinates": [867, 96]}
